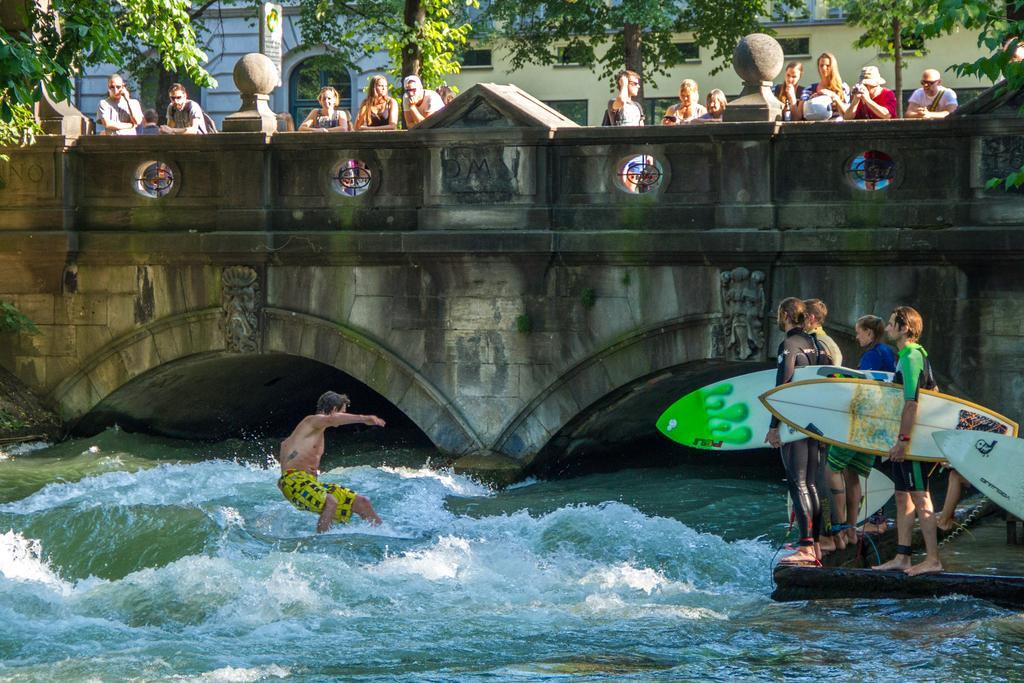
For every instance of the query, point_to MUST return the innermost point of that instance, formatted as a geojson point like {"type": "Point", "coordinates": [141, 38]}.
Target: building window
{"type": "Point", "coordinates": [306, 80]}
{"type": "Point", "coordinates": [573, 109]}
{"type": "Point", "coordinates": [688, 52]}
{"type": "Point", "coordinates": [796, 47]}
{"type": "Point", "coordinates": [656, 108]}
{"type": "Point", "coordinates": [910, 42]}
{"type": "Point", "coordinates": [573, 55]}
{"type": "Point", "coordinates": [475, 58]}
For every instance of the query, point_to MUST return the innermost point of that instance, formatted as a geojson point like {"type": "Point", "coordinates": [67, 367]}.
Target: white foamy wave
{"type": "Point", "coordinates": [13, 450]}
{"type": "Point", "coordinates": [21, 559]}
{"type": "Point", "coordinates": [529, 481]}
{"type": "Point", "coordinates": [457, 484]}
{"type": "Point", "coordinates": [624, 575]}
{"type": "Point", "coordinates": [230, 674]}
{"type": "Point", "coordinates": [167, 484]}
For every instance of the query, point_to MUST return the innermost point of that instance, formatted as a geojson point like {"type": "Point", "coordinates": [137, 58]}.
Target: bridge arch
{"type": "Point", "coordinates": [198, 335]}
{"type": "Point", "coordinates": [644, 353]}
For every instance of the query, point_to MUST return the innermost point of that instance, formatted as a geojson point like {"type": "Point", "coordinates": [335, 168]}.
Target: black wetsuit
{"type": "Point", "coordinates": [801, 458]}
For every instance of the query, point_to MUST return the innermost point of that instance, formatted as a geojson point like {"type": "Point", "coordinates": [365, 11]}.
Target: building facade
{"type": "Point", "coordinates": [578, 92]}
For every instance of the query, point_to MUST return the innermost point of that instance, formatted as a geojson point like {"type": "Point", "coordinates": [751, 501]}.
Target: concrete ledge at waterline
{"type": "Point", "coordinates": [490, 468]}
{"type": "Point", "coordinates": [817, 583]}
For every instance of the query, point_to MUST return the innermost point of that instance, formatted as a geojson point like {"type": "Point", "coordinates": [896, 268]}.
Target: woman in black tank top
{"type": "Point", "coordinates": [800, 458]}
{"type": "Point", "coordinates": [379, 111]}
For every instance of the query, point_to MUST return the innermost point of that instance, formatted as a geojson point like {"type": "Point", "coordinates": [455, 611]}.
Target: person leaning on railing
{"type": "Point", "coordinates": [870, 100]}
{"type": "Point", "coordinates": [327, 118]}
{"type": "Point", "coordinates": [418, 104]}
{"type": "Point", "coordinates": [716, 107]}
{"type": "Point", "coordinates": [931, 100]}
{"type": "Point", "coordinates": [688, 108]}
{"type": "Point", "coordinates": [379, 111]}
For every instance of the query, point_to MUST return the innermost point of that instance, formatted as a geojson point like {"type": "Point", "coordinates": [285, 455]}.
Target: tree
{"type": "Point", "coordinates": [421, 37]}
{"type": "Point", "coordinates": [635, 34]}
{"type": "Point", "coordinates": [888, 24]}
{"type": "Point", "coordinates": [46, 44]}
{"type": "Point", "coordinates": [1000, 25]}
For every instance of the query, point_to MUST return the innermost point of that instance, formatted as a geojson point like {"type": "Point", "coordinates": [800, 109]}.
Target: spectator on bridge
{"type": "Point", "coordinates": [285, 123]}
{"type": "Point", "coordinates": [118, 113]}
{"type": "Point", "coordinates": [626, 109]}
{"type": "Point", "coordinates": [150, 125]}
{"type": "Point", "coordinates": [446, 93]}
{"type": "Point", "coordinates": [418, 104]}
{"type": "Point", "coordinates": [184, 116]}
{"type": "Point", "coordinates": [931, 100]}
{"type": "Point", "coordinates": [716, 107]}
{"type": "Point", "coordinates": [870, 100]}
{"type": "Point", "coordinates": [789, 92]}
{"type": "Point", "coordinates": [1015, 46]}
{"type": "Point", "coordinates": [826, 99]}
{"type": "Point", "coordinates": [326, 118]}
{"type": "Point", "coordinates": [688, 108]}
{"type": "Point", "coordinates": [379, 111]}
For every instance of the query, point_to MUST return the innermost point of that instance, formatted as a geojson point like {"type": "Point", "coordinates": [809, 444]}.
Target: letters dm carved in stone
{"type": "Point", "coordinates": [743, 306]}
{"type": "Point", "coordinates": [239, 297]}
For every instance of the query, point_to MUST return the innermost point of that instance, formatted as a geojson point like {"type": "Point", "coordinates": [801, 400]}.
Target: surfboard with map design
{"type": "Point", "coordinates": [865, 415]}
{"type": "Point", "coordinates": [727, 416]}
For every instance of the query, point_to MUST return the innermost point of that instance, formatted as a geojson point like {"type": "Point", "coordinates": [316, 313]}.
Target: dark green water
{"type": "Point", "coordinates": [130, 558]}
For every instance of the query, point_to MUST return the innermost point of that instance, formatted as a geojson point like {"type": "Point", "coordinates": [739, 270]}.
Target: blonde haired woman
{"type": "Point", "coordinates": [327, 118]}
{"type": "Point", "coordinates": [688, 108]}
{"type": "Point", "coordinates": [379, 111]}
{"type": "Point", "coordinates": [830, 85]}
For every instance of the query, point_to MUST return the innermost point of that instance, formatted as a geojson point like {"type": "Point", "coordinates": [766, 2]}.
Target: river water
{"type": "Point", "coordinates": [124, 557]}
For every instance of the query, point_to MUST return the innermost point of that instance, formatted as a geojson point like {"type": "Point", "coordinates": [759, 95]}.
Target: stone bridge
{"type": "Point", "coordinates": [508, 282]}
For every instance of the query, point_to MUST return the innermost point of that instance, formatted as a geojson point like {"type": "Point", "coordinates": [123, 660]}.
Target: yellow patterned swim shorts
{"type": "Point", "coordinates": [305, 492]}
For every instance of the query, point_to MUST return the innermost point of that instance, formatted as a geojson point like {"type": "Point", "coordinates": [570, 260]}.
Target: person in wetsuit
{"type": "Point", "coordinates": [800, 458]}
{"type": "Point", "coordinates": [914, 372]}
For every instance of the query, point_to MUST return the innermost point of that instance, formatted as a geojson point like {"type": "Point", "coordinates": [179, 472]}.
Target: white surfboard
{"type": "Point", "coordinates": [994, 463]}
{"type": "Point", "coordinates": [876, 491]}
{"type": "Point", "coordinates": [865, 415]}
{"type": "Point", "coordinates": [726, 415]}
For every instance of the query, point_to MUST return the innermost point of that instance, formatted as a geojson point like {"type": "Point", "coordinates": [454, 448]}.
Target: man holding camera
{"type": "Point", "coordinates": [869, 99]}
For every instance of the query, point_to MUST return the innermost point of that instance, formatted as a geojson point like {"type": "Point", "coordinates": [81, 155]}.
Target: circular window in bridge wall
{"type": "Point", "coordinates": [154, 179]}
{"type": "Point", "coordinates": [872, 170]}
{"type": "Point", "coordinates": [639, 174]}
{"type": "Point", "coordinates": [351, 178]}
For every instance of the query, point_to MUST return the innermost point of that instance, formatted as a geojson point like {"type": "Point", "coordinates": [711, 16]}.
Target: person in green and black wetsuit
{"type": "Point", "coordinates": [913, 371]}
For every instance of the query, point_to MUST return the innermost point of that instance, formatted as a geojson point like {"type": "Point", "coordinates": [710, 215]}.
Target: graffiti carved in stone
{"type": "Point", "coordinates": [743, 305]}
{"type": "Point", "coordinates": [1001, 156]}
{"type": "Point", "coordinates": [239, 297]}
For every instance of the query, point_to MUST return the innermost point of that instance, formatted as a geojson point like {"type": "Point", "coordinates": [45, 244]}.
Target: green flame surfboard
{"type": "Point", "coordinates": [727, 415]}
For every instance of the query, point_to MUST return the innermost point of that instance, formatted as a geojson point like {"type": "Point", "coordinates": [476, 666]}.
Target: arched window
{"type": "Point", "coordinates": [304, 85]}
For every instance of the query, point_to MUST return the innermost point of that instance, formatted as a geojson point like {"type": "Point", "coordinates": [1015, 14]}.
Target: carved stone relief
{"type": "Point", "coordinates": [743, 308]}
{"type": "Point", "coordinates": [1001, 156]}
{"type": "Point", "coordinates": [239, 299]}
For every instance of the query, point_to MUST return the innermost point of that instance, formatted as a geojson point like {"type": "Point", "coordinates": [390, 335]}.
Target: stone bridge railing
{"type": "Point", "coordinates": [700, 177]}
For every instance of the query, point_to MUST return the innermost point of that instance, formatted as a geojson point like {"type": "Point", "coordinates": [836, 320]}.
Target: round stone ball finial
{"type": "Point", "coordinates": [757, 58]}
{"type": "Point", "coordinates": [255, 74]}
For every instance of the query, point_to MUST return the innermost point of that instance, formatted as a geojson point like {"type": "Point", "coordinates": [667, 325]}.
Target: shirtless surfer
{"type": "Point", "coordinates": [300, 462]}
